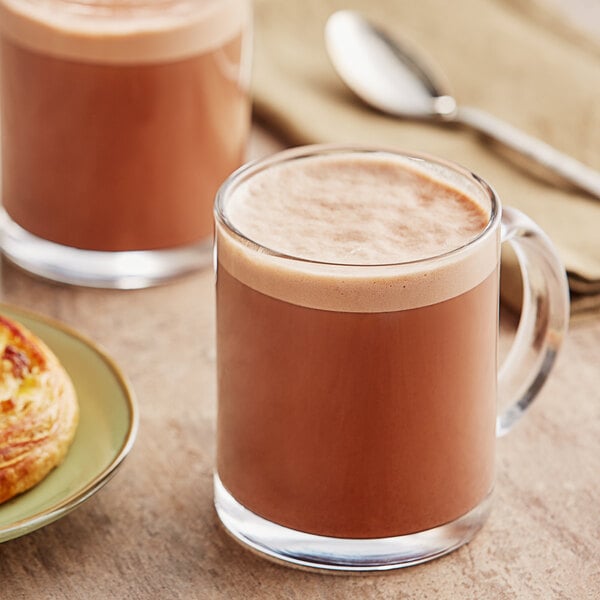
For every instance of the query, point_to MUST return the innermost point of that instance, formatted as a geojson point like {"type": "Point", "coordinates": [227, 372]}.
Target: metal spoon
{"type": "Point", "coordinates": [384, 75]}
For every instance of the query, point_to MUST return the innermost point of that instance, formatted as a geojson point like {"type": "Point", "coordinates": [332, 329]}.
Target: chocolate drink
{"type": "Point", "coordinates": [119, 126]}
{"type": "Point", "coordinates": [356, 401]}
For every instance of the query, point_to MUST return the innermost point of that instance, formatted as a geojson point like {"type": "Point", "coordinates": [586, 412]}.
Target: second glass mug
{"type": "Point", "coordinates": [409, 476]}
{"type": "Point", "coordinates": [119, 121]}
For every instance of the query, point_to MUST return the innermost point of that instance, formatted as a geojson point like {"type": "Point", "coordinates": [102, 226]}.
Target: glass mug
{"type": "Point", "coordinates": [119, 121]}
{"type": "Point", "coordinates": [357, 414]}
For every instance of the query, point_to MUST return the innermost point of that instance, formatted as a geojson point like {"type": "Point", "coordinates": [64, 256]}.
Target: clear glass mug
{"type": "Point", "coordinates": [393, 464]}
{"type": "Point", "coordinates": [119, 121]}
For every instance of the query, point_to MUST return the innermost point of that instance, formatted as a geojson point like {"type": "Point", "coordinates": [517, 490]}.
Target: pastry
{"type": "Point", "coordinates": [38, 410]}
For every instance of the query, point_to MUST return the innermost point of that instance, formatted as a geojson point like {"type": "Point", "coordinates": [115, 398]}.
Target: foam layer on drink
{"type": "Point", "coordinates": [375, 218]}
{"type": "Point", "coordinates": [122, 31]}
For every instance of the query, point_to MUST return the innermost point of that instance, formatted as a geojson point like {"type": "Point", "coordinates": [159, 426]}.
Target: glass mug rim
{"type": "Point", "coordinates": [247, 171]}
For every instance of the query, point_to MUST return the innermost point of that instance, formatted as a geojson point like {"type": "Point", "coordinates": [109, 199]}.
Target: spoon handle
{"type": "Point", "coordinates": [571, 170]}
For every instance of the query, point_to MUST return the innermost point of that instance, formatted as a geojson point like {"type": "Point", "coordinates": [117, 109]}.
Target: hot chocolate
{"type": "Point", "coordinates": [356, 380]}
{"type": "Point", "coordinates": [120, 119]}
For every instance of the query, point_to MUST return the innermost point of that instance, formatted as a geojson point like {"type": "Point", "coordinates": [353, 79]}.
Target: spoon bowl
{"type": "Point", "coordinates": [381, 72]}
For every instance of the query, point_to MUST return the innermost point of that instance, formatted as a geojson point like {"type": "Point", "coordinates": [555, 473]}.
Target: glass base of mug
{"type": "Point", "coordinates": [308, 551]}
{"type": "Point", "coordinates": [116, 270]}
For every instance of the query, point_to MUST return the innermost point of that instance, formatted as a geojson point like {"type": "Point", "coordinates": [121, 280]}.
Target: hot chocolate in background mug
{"type": "Point", "coordinates": [119, 122]}
{"type": "Point", "coordinates": [357, 334]}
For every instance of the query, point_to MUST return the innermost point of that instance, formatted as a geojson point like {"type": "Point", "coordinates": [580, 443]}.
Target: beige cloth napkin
{"type": "Point", "coordinates": [503, 56]}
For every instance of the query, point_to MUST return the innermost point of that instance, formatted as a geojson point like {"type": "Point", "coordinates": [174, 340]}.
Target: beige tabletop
{"type": "Point", "coordinates": [153, 533]}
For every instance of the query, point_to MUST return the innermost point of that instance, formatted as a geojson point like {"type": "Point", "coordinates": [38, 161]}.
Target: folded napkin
{"type": "Point", "coordinates": [502, 56]}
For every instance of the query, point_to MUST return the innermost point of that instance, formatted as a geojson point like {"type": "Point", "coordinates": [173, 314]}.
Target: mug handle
{"type": "Point", "coordinates": [544, 318]}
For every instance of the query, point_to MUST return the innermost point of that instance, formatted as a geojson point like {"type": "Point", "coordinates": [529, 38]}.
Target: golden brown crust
{"type": "Point", "coordinates": [38, 410]}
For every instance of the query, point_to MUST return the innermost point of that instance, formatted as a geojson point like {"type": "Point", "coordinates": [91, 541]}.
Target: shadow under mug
{"type": "Point", "coordinates": [365, 440]}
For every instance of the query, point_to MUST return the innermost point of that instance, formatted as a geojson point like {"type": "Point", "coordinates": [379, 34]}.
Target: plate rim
{"type": "Point", "coordinates": [78, 497]}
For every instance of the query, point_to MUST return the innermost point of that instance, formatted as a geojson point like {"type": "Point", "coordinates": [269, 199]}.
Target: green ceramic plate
{"type": "Point", "coordinates": [106, 432]}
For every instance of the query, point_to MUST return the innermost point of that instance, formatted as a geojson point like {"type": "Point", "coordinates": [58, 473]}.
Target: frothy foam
{"type": "Point", "coordinates": [364, 215]}
{"type": "Point", "coordinates": [123, 31]}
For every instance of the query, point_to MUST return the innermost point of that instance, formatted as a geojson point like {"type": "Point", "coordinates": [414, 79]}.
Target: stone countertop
{"type": "Point", "coordinates": [153, 533]}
